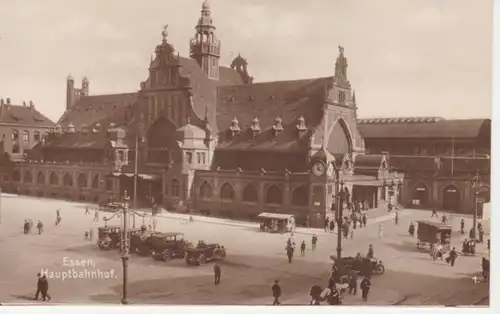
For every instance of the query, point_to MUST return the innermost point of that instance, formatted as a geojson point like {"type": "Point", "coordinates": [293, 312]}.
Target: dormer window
{"type": "Point", "coordinates": [277, 127]}
{"type": "Point", "coordinates": [301, 126]}
{"type": "Point", "coordinates": [235, 127]}
{"type": "Point", "coordinates": [255, 128]}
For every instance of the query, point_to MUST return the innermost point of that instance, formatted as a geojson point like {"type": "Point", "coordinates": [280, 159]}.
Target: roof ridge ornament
{"type": "Point", "coordinates": [164, 33]}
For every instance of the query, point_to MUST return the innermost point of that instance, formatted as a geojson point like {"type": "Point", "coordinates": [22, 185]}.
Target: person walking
{"type": "Point", "coordinates": [353, 283]}
{"type": "Point", "coordinates": [380, 231]}
{"type": "Point", "coordinates": [303, 248]}
{"type": "Point", "coordinates": [276, 292]}
{"type": "Point", "coordinates": [462, 226]}
{"type": "Point", "coordinates": [39, 226]}
{"type": "Point", "coordinates": [352, 234]}
{"type": "Point", "coordinates": [87, 211]}
{"type": "Point", "coordinates": [96, 215]}
{"type": "Point", "coordinates": [39, 285]}
{"type": "Point", "coordinates": [314, 241]}
{"type": "Point", "coordinates": [481, 235]}
{"type": "Point", "coordinates": [371, 253]}
{"type": "Point", "coordinates": [289, 253]}
{"type": "Point", "coordinates": [434, 213]}
{"type": "Point", "coordinates": [217, 273]}
{"type": "Point", "coordinates": [365, 286]}
{"type": "Point", "coordinates": [396, 217]}
{"type": "Point", "coordinates": [443, 219]}
{"type": "Point", "coordinates": [364, 220]}
{"type": "Point", "coordinates": [332, 226]}
{"type": "Point", "coordinates": [327, 224]}
{"type": "Point", "coordinates": [45, 289]}
{"type": "Point", "coordinates": [452, 257]}
{"type": "Point", "coordinates": [334, 297]}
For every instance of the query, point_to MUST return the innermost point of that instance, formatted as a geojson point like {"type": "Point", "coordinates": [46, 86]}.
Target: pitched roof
{"type": "Point", "coordinates": [101, 109]}
{"type": "Point", "coordinates": [434, 128]}
{"type": "Point", "coordinates": [24, 115]}
{"type": "Point", "coordinates": [228, 76]}
{"type": "Point", "coordinates": [288, 100]}
{"type": "Point", "coordinates": [78, 140]}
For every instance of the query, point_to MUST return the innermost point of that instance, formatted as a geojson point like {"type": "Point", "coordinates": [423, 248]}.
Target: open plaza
{"type": "Point", "coordinates": [80, 273]}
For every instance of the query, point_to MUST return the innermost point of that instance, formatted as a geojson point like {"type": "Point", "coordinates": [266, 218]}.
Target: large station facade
{"type": "Point", "coordinates": [210, 140]}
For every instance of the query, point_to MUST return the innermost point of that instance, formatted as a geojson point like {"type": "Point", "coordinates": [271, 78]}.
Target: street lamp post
{"type": "Point", "coordinates": [135, 176]}
{"type": "Point", "coordinates": [476, 193]}
{"type": "Point", "coordinates": [340, 208]}
{"type": "Point", "coordinates": [125, 246]}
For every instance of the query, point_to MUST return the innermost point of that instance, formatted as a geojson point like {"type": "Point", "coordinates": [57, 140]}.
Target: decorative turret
{"type": "Point", "coordinates": [301, 126]}
{"type": "Point", "coordinates": [204, 46]}
{"type": "Point", "coordinates": [240, 64]}
{"type": "Point", "coordinates": [277, 127]}
{"type": "Point", "coordinates": [255, 127]}
{"type": "Point", "coordinates": [234, 128]}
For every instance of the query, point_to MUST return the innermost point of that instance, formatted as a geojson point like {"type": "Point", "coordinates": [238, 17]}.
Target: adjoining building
{"type": "Point", "coordinates": [212, 140]}
{"type": "Point", "coordinates": [446, 162]}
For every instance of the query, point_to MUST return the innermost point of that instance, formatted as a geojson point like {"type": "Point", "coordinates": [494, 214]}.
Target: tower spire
{"type": "Point", "coordinates": [204, 46]}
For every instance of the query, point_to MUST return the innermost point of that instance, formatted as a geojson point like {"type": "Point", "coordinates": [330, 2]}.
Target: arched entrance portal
{"type": "Point", "coordinates": [420, 195]}
{"type": "Point", "coordinates": [451, 198]}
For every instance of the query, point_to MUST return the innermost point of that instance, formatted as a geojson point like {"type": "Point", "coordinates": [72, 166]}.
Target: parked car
{"type": "Point", "coordinates": [203, 253]}
{"type": "Point", "coordinates": [165, 246]}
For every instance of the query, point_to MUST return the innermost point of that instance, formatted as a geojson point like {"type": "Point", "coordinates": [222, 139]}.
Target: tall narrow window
{"type": "Point", "coordinates": [26, 136]}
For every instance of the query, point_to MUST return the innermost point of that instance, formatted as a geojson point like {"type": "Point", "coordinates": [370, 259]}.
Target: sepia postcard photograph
{"type": "Point", "coordinates": [246, 152]}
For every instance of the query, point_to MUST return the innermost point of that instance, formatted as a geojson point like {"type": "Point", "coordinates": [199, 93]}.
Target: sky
{"type": "Point", "coordinates": [406, 57]}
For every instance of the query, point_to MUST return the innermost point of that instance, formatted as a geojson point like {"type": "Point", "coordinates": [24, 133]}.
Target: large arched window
{"type": "Point", "coordinates": [95, 181]}
{"type": "Point", "coordinates": [300, 196]}
{"type": "Point", "coordinates": [227, 192]}
{"type": "Point", "coordinates": [28, 177]}
{"type": "Point", "coordinates": [82, 180]}
{"type": "Point", "coordinates": [54, 179]}
{"type": "Point", "coordinates": [274, 195]}
{"type": "Point", "coordinates": [16, 176]}
{"type": "Point", "coordinates": [250, 194]}
{"type": "Point", "coordinates": [67, 180]}
{"type": "Point", "coordinates": [40, 178]}
{"type": "Point", "coordinates": [176, 188]}
{"type": "Point", "coordinates": [205, 190]}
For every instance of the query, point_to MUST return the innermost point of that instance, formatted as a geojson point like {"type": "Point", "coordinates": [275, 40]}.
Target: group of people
{"type": "Point", "coordinates": [28, 226]}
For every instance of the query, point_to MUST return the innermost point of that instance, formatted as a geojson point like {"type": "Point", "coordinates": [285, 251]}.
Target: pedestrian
{"type": "Point", "coordinates": [303, 248]}
{"type": "Point", "coordinates": [370, 253]}
{"type": "Point", "coordinates": [58, 220]}
{"type": "Point", "coordinates": [443, 219]}
{"type": "Point", "coordinates": [452, 257]}
{"type": "Point", "coordinates": [327, 224]}
{"type": "Point", "coordinates": [276, 292]}
{"type": "Point", "coordinates": [352, 234]}
{"type": "Point", "coordinates": [411, 229]}
{"type": "Point", "coordinates": [332, 226]}
{"type": "Point", "coordinates": [289, 253]}
{"type": "Point", "coordinates": [30, 225]}
{"type": "Point", "coordinates": [396, 217]}
{"type": "Point", "coordinates": [365, 286]}
{"type": "Point", "coordinates": [334, 297]}
{"type": "Point", "coordinates": [345, 229]}
{"type": "Point", "coordinates": [314, 241]}
{"type": "Point", "coordinates": [380, 231]}
{"type": "Point", "coordinates": [462, 226]}
{"type": "Point", "coordinates": [364, 220]}
{"type": "Point", "coordinates": [191, 220]}
{"type": "Point", "coordinates": [315, 294]}
{"type": "Point", "coordinates": [434, 213]}
{"type": "Point", "coordinates": [353, 283]}
{"type": "Point", "coordinates": [472, 234]}
{"type": "Point", "coordinates": [39, 285]}
{"type": "Point", "coordinates": [96, 215]}
{"type": "Point", "coordinates": [45, 288]}
{"type": "Point", "coordinates": [481, 235]}
{"type": "Point", "coordinates": [26, 226]}
{"type": "Point", "coordinates": [485, 264]}
{"type": "Point", "coordinates": [217, 273]}
{"type": "Point", "coordinates": [39, 226]}
{"type": "Point", "coordinates": [87, 211]}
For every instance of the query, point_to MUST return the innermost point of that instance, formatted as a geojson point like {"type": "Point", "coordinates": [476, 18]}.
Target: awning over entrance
{"type": "Point", "coordinates": [363, 180]}
{"type": "Point", "coordinates": [148, 177]}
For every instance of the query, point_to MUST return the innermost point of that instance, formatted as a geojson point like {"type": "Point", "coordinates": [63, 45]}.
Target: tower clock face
{"type": "Point", "coordinates": [318, 169]}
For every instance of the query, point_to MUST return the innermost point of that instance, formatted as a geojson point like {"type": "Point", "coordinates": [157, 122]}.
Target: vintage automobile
{"type": "Point", "coordinates": [429, 233]}
{"type": "Point", "coordinates": [108, 237]}
{"type": "Point", "coordinates": [141, 242]}
{"type": "Point", "coordinates": [362, 265]}
{"type": "Point", "coordinates": [203, 253]}
{"type": "Point", "coordinates": [168, 245]}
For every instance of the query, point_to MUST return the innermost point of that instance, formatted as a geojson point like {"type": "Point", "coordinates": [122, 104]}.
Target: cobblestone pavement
{"type": "Point", "coordinates": [254, 261]}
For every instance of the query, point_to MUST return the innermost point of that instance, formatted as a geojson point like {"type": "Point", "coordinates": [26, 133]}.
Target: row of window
{"type": "Point", "coordinates": [37, 136]}
{"type": "Point", "coordinates": [273, 194]}
{"type": "Point", "coordinates": [81, 180]}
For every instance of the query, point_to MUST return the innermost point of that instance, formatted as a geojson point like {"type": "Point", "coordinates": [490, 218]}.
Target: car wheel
{"type": "Point", "coordinates": [203, 259]}
{"type": "Point", "coordinates": [167, 255]}
{"type": "Point", "coordinates": [379, 269]}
